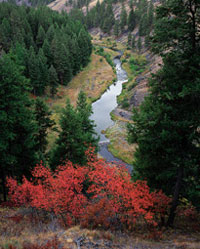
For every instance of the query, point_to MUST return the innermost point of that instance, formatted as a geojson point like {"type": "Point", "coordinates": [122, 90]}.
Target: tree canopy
{"type": "Point", "coordinates": [166, 128]}
{"type": "Point", "coordinates": [44, 40]}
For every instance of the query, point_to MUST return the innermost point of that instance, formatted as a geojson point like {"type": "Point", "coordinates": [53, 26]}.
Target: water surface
{"type": "Point", "coordinates": [108, 102]}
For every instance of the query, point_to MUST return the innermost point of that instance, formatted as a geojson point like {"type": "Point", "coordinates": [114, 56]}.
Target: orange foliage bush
{"type": "Point", "coordinates": [97, 194]}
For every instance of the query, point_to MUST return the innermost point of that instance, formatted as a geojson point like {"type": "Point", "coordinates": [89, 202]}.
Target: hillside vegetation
{"type": "Point", "coordinates": [60, 194]}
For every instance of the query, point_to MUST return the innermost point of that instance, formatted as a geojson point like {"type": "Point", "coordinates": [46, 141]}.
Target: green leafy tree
{"type": "Point", "coordinates": [166, 128]}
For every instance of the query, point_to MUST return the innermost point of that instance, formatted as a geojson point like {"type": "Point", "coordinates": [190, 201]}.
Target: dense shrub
{"type": "Point", "coordinates": [96, 194]}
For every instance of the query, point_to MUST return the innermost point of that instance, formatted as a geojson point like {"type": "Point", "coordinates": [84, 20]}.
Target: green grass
{"type": "Point", "coordinates": [119, 146]}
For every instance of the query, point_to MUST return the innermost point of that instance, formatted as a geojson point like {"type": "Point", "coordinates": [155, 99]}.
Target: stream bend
{"type": "Point", "coordinates": [103, 107]}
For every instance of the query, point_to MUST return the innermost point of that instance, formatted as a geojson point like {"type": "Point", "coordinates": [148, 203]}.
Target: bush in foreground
{"type": "Point", "coordinates": [98, 194]}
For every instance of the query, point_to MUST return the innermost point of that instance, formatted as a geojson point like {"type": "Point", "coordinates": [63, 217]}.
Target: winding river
{"type": "Point", "coordinates": [103, 107]}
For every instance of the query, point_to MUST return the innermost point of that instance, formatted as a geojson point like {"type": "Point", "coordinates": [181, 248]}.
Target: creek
{"type": "Point", "coordinates": [103, 107]}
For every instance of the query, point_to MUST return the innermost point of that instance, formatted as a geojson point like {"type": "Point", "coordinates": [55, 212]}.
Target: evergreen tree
{"type": "Point", "coordinates": [44, 123]}
{"type": "Point", "coordinates": [147, 41]}
{"type": "Point", "coordinates": [123, 19]}
{"type": "Point", "coordinates": [76, 134]}
{"type": "Point", "coordinates": [84, 46]}
{"type": "Point", "coordinates": [133, 43]}
{"type": "Point", "coordinates": [109, 19]}
{"type": "Point", "coordinates": [17, 136]}
{"type": "Point", "coordinates": [47, 52]}
{"type": "Point", "coordinates": [129, 38]}
{"type": "Point", "coordinates": [43, 76]}
{"type": "Point", "coordinates": [53, 80]}
{"type": "Point", "coordinates": [139, 44]}
{"type": "Point", "coordinates": [131, 21]}
{"type": "Point", "coordinates": [116, 28]}
{"type": "Point", "coordinates": [6, 34]}
{"type": "Point", "coordinates": [40, 37]}
{"type": "Point", "coordinates": [34, 71]}
{"type": "Point", "coordinates": [61, 61]}
{"type": "Point", "coordinates": [84, 111]}
{"type": "Point", "coordinates": [143, 25]}
{"type": "Point", "coordinates": [151, 14]}
{"type": "Point", "coordinates": [167, 128]}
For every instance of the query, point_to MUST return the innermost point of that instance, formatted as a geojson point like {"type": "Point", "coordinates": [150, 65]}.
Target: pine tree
{"type": "Point", "coordinates": [53, 80]}
{"type": "Point", "coordinates": [6, 34]}
{"type": "Point", "coordinates": [143, 25]}
{"type": "Point", "coordinates": [43, 76]}
{"type": "Point", "coordinates": [61, 61]}
{"type": "Point", "coordinates": [40, 37]}
{"type": "Point", "coordinates": [84, 111]}
{"type": "Point", "coordinates": [47, 52]}
{"type": "Point", "coordinates": [151, 14]}
{"type": "Point", "coordinates": [116, 28]}
{"type": "Point", "coordinates": [129, 38]}
{"type": "Point", "coordinates": [139, 44]}
{"type": "Point", "coordinates": [131, 21]}
{"type": "Point", "coordinates": [34, 71]}
{"type": "Point", "coordinates": [44, 123]}
{"type": "Point", "coordinates": [17, 136]}
{"type": "Point", "coordinates": [167, 128]}
{"type": "Point", "coordinates": [123, 19]}
{"type": "Point", "coordinates": [133, 43]}
{"type": "Point", "coordinates": [76, 134]}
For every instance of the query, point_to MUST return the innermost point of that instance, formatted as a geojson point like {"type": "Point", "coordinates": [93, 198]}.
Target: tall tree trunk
{"type": "Point", "coordinates": [175, 197]}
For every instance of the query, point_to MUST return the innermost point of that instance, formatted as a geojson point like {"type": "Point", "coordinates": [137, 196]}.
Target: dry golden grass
{"type": "Point", "coordinates": [37, 229]}
{"type": "Point", "coordinates": [93, 80]}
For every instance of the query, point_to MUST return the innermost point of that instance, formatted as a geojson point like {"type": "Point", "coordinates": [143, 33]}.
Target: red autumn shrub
{"type": "Point", "coordinates": [95, 194]}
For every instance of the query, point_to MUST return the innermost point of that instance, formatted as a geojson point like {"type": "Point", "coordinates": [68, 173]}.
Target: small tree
{"type": "Point", "coordinates": [116, 28]}
{"type": "Point", "coordinates": [76, 135]}
{"type": "Point", "coordinates": [133, 43]}
{"type": "Point", "coordinates": [129, 38]}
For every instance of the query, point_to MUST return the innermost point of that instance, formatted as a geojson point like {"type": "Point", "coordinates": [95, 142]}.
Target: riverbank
{"type": "Point", "coordinates": [93, 80]}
